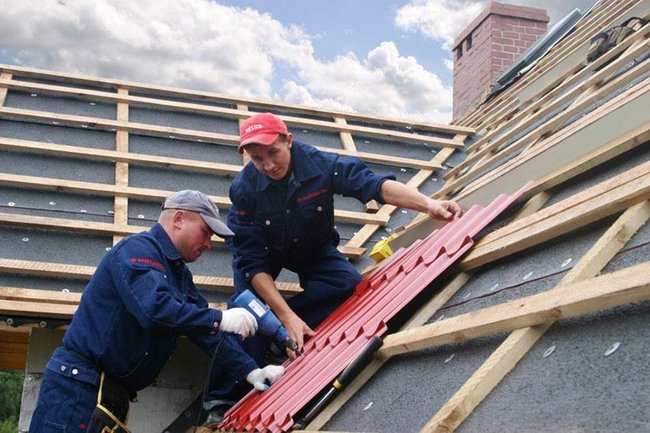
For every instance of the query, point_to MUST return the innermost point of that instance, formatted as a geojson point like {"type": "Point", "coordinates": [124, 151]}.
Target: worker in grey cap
{"type": "Point", "coordinates": [140, 300]}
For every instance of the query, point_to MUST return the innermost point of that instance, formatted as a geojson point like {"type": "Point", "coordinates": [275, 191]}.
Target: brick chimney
{"type": "Point", "coordinates": [488, 46]}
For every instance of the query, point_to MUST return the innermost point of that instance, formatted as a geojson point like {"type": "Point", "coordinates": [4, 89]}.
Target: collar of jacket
{"type": "Point", "coordinates": [165, 242]}
{"type": "Point", "coordinates": [304, 167]}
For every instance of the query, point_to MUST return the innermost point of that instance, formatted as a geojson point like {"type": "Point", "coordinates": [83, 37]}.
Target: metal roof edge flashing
{"type": "Point", "coordinates": [537, 51]}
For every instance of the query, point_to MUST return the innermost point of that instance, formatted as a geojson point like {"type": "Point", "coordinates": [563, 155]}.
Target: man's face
{"type": "Point", "coordinates": [193, 236]}
{"type": "Point", "coordinates": [273, 160]}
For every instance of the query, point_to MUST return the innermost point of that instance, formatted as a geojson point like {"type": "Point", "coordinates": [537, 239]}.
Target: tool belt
{"type": "Point", "coordinates": [112, 410]}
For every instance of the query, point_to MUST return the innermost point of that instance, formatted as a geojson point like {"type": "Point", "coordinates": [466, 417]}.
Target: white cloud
{"type": "Point", "coordinates": [441, 20]}
{"type": "Point", "coordinates": [191, 43]}
{"type": "Point", "coordinates": [201, 44]}
{"type": "Point", "coordinates": [384, 83]}
{"type": "Point", "coordinates": [444, 20]}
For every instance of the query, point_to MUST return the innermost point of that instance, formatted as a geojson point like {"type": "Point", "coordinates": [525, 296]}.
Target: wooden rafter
{"type": "Point", "coordinates": [520, 341]}
{"type": "Point", "coordinates": [597, 202]}
{"type": "Point", "coordinates": [124, 98]}
{"type": "Point", "coordinates": [147, 194]}
{"type": "Point", "coordinates": [163, 91]}
{"type": "Point", "coordinates": [83, 273]}
{"type": "Point", "coordinates": [570, 300]}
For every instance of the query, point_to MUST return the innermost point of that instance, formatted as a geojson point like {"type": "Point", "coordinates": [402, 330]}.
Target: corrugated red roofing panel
{"type": "Point", "coordinates": [343, 335]}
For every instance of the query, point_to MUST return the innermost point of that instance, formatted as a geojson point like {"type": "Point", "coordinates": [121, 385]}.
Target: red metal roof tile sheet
{"type": "Point", "coordinates": [343, 335]}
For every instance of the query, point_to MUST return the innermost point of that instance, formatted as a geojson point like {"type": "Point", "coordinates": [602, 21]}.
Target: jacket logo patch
{"type": "Point", "coordinates": [147, 261]}
{"type": "Point", "coordinates": [240, 212]}
{"type": "Point", "coordinates": [312, 195]}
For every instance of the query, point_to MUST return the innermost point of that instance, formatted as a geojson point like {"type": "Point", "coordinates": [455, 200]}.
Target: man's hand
{"type": "Point", "coordinates": [238, 321]}
{"type": "Point", "coordinates": [297, 330]}
{"type": "Point", "coordinates": [443, 209]}
{"type": "Point", "coordinates": [262, 378]}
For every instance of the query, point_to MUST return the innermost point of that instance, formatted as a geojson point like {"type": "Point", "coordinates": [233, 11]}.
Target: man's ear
{"type": "Point", "coordinates": [179, 218]}
{"type": "Point", "coordinates": [289, 139]}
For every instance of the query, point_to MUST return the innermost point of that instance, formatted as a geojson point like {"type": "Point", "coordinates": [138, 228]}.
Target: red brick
{"type": "Point", "coordinates": [528, 38]}
{"type": "Point", "coordinates": [535, 31]}
{"type": "Point", "coordinates": [503, 41]}
{"type": "Point", "coordinates": [506, 56]}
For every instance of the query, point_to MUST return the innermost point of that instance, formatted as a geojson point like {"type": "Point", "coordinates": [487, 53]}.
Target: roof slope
{"type": "Point", "coordinates": [475, 358]}
{"type": "Point", "coordinates": [86, 161]}
{"type": "Point", "coordinates": [580, 245]}
{"type": "Point", "coordinates": [343, 335]}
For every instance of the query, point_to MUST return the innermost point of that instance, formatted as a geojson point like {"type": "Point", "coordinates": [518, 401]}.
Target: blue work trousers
{"type": "Point", "coordinates": [65, 405]}
{"type": "Point", "coordinates": [327, 279]}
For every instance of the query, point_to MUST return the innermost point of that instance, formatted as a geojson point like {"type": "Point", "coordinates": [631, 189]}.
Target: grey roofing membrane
{"type": "Point", "coordinates": [65, 247]}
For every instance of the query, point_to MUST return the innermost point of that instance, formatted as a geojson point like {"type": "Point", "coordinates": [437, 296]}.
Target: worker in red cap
{"type": "Point", "coordinates": [282, 215]}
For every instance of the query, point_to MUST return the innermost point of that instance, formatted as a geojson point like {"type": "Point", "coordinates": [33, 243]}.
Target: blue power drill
{"type": "Point", "coordinates": [267, 323]}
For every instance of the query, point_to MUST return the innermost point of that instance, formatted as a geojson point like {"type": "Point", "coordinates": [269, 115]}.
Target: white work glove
{"type": "Point", "coordinates": [238, 321]}
{"type": "Point", "coordinates": [260, 376]}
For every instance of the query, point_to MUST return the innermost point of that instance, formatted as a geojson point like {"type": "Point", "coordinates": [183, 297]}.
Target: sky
{"type": "Point", "coordinates": [378, 57]}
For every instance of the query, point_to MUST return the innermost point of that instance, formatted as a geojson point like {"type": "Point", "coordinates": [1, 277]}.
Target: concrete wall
{"type": "Point", "coordinates": [157, 406]}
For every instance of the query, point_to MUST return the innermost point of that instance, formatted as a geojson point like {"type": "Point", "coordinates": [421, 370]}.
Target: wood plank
{"type": "Point", "coordinates": [600, 201]}
{"type": "Point", "coordinates": [98, 228]}
{"type": "Point", "coordinates": [597, 191]}
{"type": "Point", "coordinates": [593, 159]}
{"type": "Point", "coordinates": [121, 204]}
{"type": "Point", "coordinates": [146, 194]}
{"type": "Point", "coordinates": [100, 189]}
{"type": "Point", "coordinates": [219, 98]}
{"type": "Point", "coordinates": [33, 298]}
{"type": "Point", "coordinates": [114, 156]}
{"type": "Point", "coordinates": [41, 310]}
{"type": "Point", "coordinates": [13, 361]}
{"type": "Point", "coordinates": [77, 226]}
{"type": "Point", "coordinates": [346, 137]}
{"type": "Point", "coordinates": [245, 157]}
{"type": "Point", "coordinates": [606, 124]}
{"type": "Point", "coordinates": [4, 76]}
{"type": "Point", "coordinates": [186, 134]}
{"type": "Point", "coordinates": [558, 58]}
{"type": "Point", "coordinates": [292, 122]}
{"type": "Point", "coordinates": [595, 294]}
{"type": "Point", "coordinates": [520, 341]}
{"type": "Point", "coordinates": [80, 272]}
{"type": "Point", "coordinates": [574, 54]}
{"type": "Point", "coordinates": [36, 295]}
{"type": "Point", "coordinates": [384, 159]}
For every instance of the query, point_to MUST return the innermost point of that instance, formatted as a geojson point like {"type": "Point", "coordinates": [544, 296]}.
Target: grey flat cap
{"type": "Point", "coordinates": [196, 201]}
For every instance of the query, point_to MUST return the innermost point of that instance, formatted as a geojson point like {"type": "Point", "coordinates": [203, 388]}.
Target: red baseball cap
{"type": "Point", "coordinates": [261, 128]}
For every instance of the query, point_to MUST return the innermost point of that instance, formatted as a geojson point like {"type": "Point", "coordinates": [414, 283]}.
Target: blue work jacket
{"type": "Point", "coordinates": [277, 224]}
{"type": "Point", "coordinates": [140, 300]}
